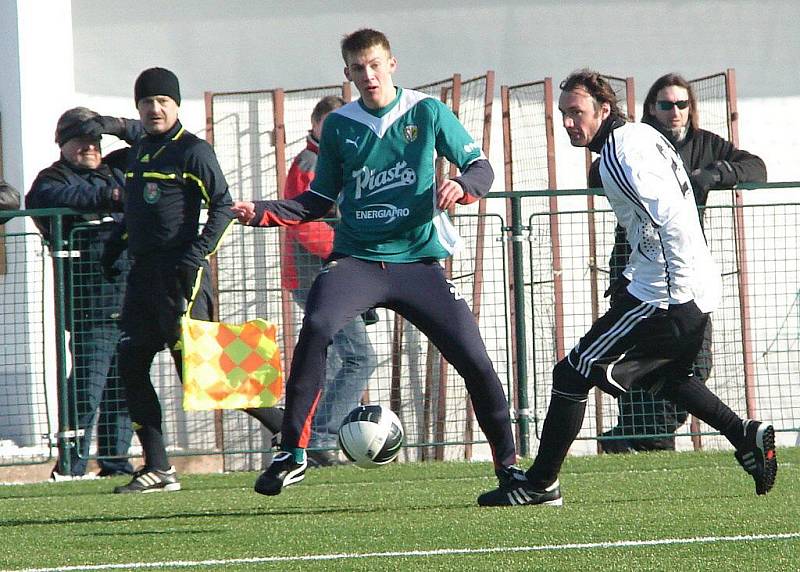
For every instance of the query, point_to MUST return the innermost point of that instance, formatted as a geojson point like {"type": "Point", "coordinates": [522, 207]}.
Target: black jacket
{"type": "Point", "coordinates": [87, 190]}
{"type": "Point", "coordinates": [704, 150]}
{"type": "Point", "coordinates": [167, 179]}
{"type": "Point", "coordinates": [89, 295]}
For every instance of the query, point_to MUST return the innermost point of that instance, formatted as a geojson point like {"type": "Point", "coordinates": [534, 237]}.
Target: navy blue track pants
{"type": "Point", "coordinates": [419, 291]}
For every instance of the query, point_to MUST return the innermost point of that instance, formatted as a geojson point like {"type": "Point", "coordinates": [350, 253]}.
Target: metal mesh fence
{"type": "Point", "coordinates": [97, 409]}
{"type": "Point", "coordinates": [527, 114]}
{"type": "Point", "coordinates": [249, 288]}
{"type": "Point", "coordinates": [771, 234]}
{"type": "Point", "coordinates": [565, 269]}
{"type": "Point", "coordinates": [711, 94]}
{"type": "Point", "coordinates": [410, 377]}
{"type": "Point", "coordinates": [426, 393]}
{"type": "Point", "coordinates": [27, 395]}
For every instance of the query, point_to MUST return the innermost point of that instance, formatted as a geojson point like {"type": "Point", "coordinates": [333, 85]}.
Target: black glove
{"type": "Point", "coordinates": [108, 263]}
{"type": "Point", "coordinates": [114, 198]}
{"type": "Point", "coordinates": [105, 125]}
{"type": "Point", "coordinates": [703, 179]}
{"type": "Point", "coordinates": [370, 317]}
{"type": "Point", "coordinates": [616, 287]}
{"type": "Point", "coordinates": [185, 275]}
{"type": "Point", "coordinates": [727, 176]}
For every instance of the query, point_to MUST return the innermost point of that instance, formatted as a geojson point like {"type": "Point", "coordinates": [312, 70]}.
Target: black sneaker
{"type": "Point", "coordinates": [151, 481]}
{"type": "Point", "coordinates": [515, 490]}
{"type": "Point", "coordinates": [757, 456]}
{"type": "Point", "coordinates": [283, 471]}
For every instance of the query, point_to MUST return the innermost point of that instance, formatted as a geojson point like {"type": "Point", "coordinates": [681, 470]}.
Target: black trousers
{"type": "Point", "coordinates": [150, 322]}
{"type": "Point", "coordinates": [643, 413]}
{"type": "Point", "coordinates": [633, 343]}
{"type": "Point", "coordinates": [637, 343]}
{"type": "Point", "coordinates": [419, 291]}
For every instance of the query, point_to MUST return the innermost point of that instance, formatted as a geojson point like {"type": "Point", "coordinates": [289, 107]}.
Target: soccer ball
{"type": "Point", "coordinates": [371, 436]}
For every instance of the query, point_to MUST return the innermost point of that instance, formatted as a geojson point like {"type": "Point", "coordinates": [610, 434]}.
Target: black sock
{"type": "Point", "coordinates": [698, 400]}
{"type": "Point", "coordinates": [269, 417]}
{"type": "Point", "coordinates": [561, 426]}
{"type": "Point", "coordinates": [155, 454]}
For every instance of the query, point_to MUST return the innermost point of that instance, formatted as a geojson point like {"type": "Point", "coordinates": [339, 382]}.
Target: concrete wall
{"type": "Point", "coordinates": [267, 43]}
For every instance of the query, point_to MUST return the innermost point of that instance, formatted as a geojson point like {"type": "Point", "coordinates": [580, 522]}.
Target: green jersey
{"type": "Point", "coordinates": [379, 166]}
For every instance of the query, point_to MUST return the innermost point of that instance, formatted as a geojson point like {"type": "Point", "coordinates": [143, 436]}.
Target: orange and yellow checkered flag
{"type": "Point", "coordinates": [230, 366]}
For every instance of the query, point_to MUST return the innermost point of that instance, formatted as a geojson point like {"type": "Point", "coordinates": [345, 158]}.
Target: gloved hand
{"type": "Point", "coordinates": [105, 125]}
{"type": "Point", "coordinates": [370, 317]}
{"type": "Point", "coordinates": [108, 263]}
{"type": "Point", "coordinates": [616, 287]}
{"type": "Point", "coordinates": [115, 198]}
{"type": "Point", "coordinates": [185, 276]}
{"type": "Point", "coordinates": [703, 179]}
{"type": "Point", "coordinates": [728, 176]}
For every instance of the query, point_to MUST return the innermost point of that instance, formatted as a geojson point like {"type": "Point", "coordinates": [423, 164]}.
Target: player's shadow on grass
{"type": "Point", "coordinates": [244, 513]}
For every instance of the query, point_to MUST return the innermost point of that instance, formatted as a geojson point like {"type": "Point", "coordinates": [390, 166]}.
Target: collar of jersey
{"type": "Point", "coordinates": [606, 127]}
{"type": "Point", "coordinates": [380, 120]}
{"type": "Point", "coordinates": [151, 141]}
{"type": "Point", "coordinates": [386, 108]}
{"type": "Point", "coordinates": [174, 133]}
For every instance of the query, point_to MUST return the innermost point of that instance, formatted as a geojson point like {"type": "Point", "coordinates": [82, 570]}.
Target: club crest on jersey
{"type": "Point", "coordinates": [151, 193]}
{"type": "Point", "coordinates": [410, 132]}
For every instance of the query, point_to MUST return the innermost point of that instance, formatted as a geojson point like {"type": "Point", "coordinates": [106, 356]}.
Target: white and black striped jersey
{"type": "Point", "coordinates": [650, 192]}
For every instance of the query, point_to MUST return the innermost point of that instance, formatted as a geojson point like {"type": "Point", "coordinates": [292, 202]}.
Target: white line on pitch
{"type": "Point", "coordinates": [418, 553]}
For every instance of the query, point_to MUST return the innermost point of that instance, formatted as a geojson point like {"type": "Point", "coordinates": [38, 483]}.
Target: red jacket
{"type": "Point", "coordinates": [309, 242]}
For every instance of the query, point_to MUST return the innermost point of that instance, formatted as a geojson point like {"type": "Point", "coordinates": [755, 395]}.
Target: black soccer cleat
{"type": "Point", "coordinates": [282, 472]}
{"type": "Point", "coordinates": [151, 481]}
{"type": "Point", "coordinates": [757, 456]}
{"type": "Point", "coordinates": [515, 490]}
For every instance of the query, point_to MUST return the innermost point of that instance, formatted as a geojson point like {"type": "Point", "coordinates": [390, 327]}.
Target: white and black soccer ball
{"type": "Point", "coordinates": [371, 436]}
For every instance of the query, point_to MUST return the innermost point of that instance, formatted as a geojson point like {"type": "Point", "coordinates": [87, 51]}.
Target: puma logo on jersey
{"type": "Point", "coordinates": [353, 142]}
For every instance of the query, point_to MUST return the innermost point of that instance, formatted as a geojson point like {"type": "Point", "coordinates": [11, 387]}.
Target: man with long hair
{"type": "Point", "coordinates": [711, 163]}
{"type": "Point", "coordinates": [654, 327]}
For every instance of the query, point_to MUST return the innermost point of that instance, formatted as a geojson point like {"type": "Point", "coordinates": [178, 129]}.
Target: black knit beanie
{"type": "Point", "coordinates": [157, 81]}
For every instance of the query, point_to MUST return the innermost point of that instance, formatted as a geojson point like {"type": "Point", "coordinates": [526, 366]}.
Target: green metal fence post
{"type": "Point", "coordinates": [65, 435]}
{"type": "Point", "coordinates": [517, 238]}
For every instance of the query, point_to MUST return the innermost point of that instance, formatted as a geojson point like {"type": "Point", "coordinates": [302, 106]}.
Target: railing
{"type": "Point", "coordinates": [38, 416]}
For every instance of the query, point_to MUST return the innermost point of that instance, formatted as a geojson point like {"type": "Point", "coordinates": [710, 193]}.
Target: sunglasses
{"type": "Point", "coordinates": [667, 105]}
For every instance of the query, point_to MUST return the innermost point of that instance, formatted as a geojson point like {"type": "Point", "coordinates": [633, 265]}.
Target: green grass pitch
{"type": "Point", "coordinates": [656, 511]}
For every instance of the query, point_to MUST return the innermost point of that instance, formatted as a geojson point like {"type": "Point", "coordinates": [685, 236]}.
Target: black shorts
{"type": "Point", "coordinates": [638, 342]}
